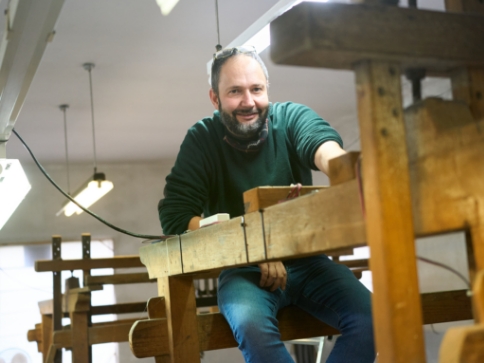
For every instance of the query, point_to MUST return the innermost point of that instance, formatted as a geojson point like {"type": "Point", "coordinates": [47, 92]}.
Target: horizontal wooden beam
{"type": "Point", "coordinates": [108, 332]}
{"type": "Point", "coordinates": [88, 264]}
{"type": "Point", "coordinates": [149, 338]}
{"type": "Point", "coordinates": [118, 279]}
{"type": "Point", "coordinates": [337, 36]}
{"type": "Point", "coordinates": [307, 225]}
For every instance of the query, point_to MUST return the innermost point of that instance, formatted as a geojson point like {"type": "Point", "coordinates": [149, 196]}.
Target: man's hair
{"type": "Point", "coordinates": [218, 63]}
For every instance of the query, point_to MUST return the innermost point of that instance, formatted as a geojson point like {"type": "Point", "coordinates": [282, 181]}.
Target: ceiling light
{"type": "Point", "coordinates": [89, 193]}
{"type": "Point", "coordinates": [96, 186]}
{"type": "Point", "coordinates": [166, 6]}
{"type": "Point", "coordinates": [14, 186]}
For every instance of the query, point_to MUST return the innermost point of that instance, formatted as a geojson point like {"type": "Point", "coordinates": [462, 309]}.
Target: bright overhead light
{"type": "Point", "coordinates": [14, 186]}
{"type": "Point", "coordinates": [91, 191]}
{"type": "Point", "coordinates": [166, 6]}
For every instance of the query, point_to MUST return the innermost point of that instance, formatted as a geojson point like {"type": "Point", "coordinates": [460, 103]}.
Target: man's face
{"type": "Point", "coordinates": [242, 100]}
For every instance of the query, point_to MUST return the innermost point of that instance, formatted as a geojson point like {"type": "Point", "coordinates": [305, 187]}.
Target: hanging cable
{"type": "Point", "coordinates": [63, 109]}
{"type": "Point", "coordinates": [218, 47]}
{"type": "Point", "coordinates": [88, 67]}
{"type": "Point", "coordinates": [439, 264]}
{"type": "Point", "coordinates": [137, 235]}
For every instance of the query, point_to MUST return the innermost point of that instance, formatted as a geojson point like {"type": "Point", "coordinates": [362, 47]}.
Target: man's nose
{"type": "Point", "coordinates": [247, 99]}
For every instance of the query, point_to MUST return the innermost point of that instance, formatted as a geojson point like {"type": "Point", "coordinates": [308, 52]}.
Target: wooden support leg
{"type": "Point", "coordinates": [397, 313]}
{"type": "Point", "coordinates": [475, 250]}
{"type": "Point", "coordinates": [181, 313]}
{"type": "Point", "coordinates": [80, 337]}
{"type": "Point", "coordinates": [46, 335]}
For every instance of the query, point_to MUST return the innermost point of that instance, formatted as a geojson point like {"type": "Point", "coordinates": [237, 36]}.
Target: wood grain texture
{"type": "Point", "coordinates": [465, 6]}
{"type": "Point", "coordinates": [149, 338]}
{"type": "Point", "coordinates": [463, 345]}
{"type": "Point", "coordinates": [478, 297]}
{"type": "Point", "coordinates": [397, 313]}
{"type": "Point", "coordinates": [181, 317]}
{"type": "Point", "coordinates": [445, 147]}
{"type": "Point", "coordinates": [69, 265]}
{"type": "Point", "coordinates": [468, 87]}
{"type": "Point", "coordinates": [118, 279]}
{"type": "Point", "coordinates": [342, 168]}
{"type": "Point", "coordinates": [265, 196]}
{"type": "Point", "coordinates": [337, 36]}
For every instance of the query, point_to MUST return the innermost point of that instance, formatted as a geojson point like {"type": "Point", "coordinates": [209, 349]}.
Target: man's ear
{"type": "Point", "coordinates": [214, 98]}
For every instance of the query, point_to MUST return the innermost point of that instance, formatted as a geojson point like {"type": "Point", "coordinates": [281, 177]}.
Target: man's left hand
{"type": "Point", "coordinates": [273, 275]}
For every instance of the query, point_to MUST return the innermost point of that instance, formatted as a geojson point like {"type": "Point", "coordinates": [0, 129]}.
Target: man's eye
{"type": "Point", "coordinates": [234, 91]}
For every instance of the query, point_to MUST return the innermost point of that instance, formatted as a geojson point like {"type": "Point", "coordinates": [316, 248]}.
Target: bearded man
{"type": "Point", "coordinates": [249, 142]}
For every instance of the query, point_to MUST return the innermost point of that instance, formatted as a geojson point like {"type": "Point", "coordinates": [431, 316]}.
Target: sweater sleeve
{"type": "Point", "coordinates": [307, 131]}
{"type": "Point", "coordinates": [186, 188]}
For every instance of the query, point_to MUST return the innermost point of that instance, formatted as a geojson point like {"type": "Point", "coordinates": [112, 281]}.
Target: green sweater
{"type": "Point", "coordinates": [210, 176]}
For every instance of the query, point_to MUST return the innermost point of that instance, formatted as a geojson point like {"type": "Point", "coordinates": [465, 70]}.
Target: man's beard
{"type": "Point", "coordinates": [240, 130]}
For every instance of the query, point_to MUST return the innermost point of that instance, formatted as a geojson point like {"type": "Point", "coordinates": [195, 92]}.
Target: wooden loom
{"type": "Point", "coordinates": [423, 175]}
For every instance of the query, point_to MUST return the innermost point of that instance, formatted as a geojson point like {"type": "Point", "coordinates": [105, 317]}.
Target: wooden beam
{"type": "Point", "coordinates": [342, 168]}
{"type": "Point", "coordinates": [465, 6]}
{"type": "Point", "coordinates": [94, 263]}
{"type": "Point", "coordinates": [181, 318]}
{"type": "Point", "coordinates": [124, 308]}
{"type": "Point", "coordinates": [468, 87]}
{"type": "Point", "coordinates": [337, 36]}
{"type": "Point", "coordinates": [397, 314]}
{"type": "Point", "coordinates": [118, 279]}
{"type": "Point", "coordinates": [149, 337]}
{"type": "Point", "coordinates": [263, 197]}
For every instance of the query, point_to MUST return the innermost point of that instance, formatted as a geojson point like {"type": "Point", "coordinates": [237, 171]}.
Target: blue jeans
{"type": "Point", "coordinates": [327, 290]}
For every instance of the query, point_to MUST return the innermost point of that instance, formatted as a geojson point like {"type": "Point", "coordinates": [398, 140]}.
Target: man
{"type": "Point", "coordinates": [248, 143]}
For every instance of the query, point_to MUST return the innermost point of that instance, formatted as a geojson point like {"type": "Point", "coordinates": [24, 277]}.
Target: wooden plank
{"type": "Point", "coordinates": [337, 36]}
{"type": "Point", "coordinates": [162, 258]}
{"type": "Point", "coordinates": [312, 225]}
{"type": "Point", "coordinates": [227, 238]}
{"type": "Point", "coordinates": [446, 306]}
{"type": "Point", "coordinates": [47, 329]}
{"type": "Point", "coordinates": [468, 87]}
{"type": "Point", "coordinates": [446, 170]}
{"type": "Point", "coordinates": [149, 338]}
{"type": "Point", "coordinates": [110, 332]}
{"type": "Point", "coordinates": [69, 265]}
{"type": "Point", "coordinates": [79, 337]}
{"type": "Point", "coordinates": [463, 345]}
{"type": "Point", "coordinates": [342, 168]}
{"type": "Point", "coordinates": [265, 196]}
{"type": "Point", "coordinates": [478, 297]}
{"type": "Point", "coordinates": [181, 314]}
{"type": "Point", "coordinates": [124, 308]}
{"type": "Point", "coordinates": [466, 6]}
{"type": "Point", "coordinates": [119, 279]}
{"type": "Point", "coordinates": [156, 308]}
{"type": "Point", "coordinates": [397, 313]}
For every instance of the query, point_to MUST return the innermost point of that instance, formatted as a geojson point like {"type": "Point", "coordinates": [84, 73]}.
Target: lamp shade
{"type": "Point", "coordinates": [14, 186]}
{"type": "Point", "coordinates": [93, 190]}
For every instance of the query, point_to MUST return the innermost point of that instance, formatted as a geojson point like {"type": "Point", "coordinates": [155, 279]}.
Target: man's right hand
{"type": "Point", "coordinates": [273, 275]}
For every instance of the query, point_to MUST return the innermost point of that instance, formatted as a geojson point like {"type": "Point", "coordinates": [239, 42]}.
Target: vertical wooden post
{"type": "Point", "coordinates": [397, 312]}
{"type": "Point", "coordinates": [57, 312]}
{"type": "Point", "coordinates": [181, 314]}
{"type": "Point", "coordinates": [46, 335]}
{"type": "Point", "coordinates": [86, 254]}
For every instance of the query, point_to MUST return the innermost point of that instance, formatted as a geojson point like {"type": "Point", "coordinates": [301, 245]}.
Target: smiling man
{"type": "Point", "coordinates": [247, 143]}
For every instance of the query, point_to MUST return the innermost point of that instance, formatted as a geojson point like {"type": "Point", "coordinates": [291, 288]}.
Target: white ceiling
{"type": "Point", "coordinates": [150, 82]}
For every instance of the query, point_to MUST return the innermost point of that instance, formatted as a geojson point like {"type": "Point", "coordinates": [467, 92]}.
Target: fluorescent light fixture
{"type": "Point", "coordinates": [258, 34]}
{"type": "Point", "coordinates": [14, 186]}
{"type": "Point", "coordinates": [91, 191]}
{"type": "Point", "coordinates": [166, 6]}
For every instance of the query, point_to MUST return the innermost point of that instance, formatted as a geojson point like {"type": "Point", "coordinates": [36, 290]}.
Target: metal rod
{"type": "Point", "coordinates": [218, 47]}
{"type": "Point", "coordinates": [64, 108]}
{"type": "Point", "coordinates": [88, 67]}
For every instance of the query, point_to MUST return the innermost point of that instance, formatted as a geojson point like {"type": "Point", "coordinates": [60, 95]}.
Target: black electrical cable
{"type": "Point", "coordinates": [436, 263]}
{"type": "Point", "coordinates": [137, 235]}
